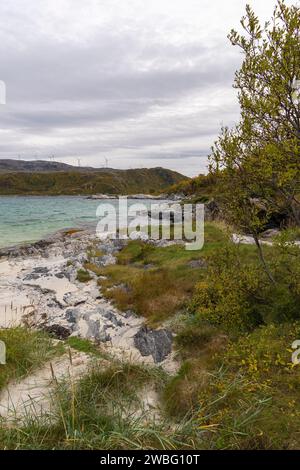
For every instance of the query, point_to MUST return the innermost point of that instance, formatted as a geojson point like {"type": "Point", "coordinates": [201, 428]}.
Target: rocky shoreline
{"type": "Point", "coordinates": [159, 197]}
{"type": "Point", "coordinates": [39, 288]}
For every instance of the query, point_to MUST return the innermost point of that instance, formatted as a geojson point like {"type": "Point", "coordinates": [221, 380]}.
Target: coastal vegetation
{"type": "Point", "coordinates": [236, 387]}
{"type": "Point", "coordinates": [104, 411]}
{"type": "Point", "coordinates": [156, 282]}
{"type": "Point", "coordinates": [233, 308]}
{"type": "Point", "coordinates": [201, 188]}
{"type": "Point", "coordinates": [26, 351]}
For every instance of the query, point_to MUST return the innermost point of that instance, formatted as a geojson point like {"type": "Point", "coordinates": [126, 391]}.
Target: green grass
{"type": "Point", "coordinates": [26, 350]}
{"type": "Point", "coordinates": [119, 378]}
{"type": "Point", "coordinates": [262, 361]}
{"type": "Point", "coordinates": [83, 276]}
{"type": "Point", "coordinates": [156, 282]}
{"type": "Point", "coordinates": [84, 345]}
{"type": "Point", "coordinates": [192, 339]}
{"type": "Point", "coordinates": [241, 396]}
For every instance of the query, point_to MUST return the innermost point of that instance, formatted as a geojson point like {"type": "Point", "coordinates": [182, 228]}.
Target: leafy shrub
{"type": "Point", "coordinates": [237, 294]}
{"type": "Point", "coordinates": [250, 399]}
{"type": "Point", "coordinates": [230, 294]}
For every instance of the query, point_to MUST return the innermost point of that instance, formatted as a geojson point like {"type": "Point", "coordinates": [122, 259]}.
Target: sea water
{"type": "Point", "coordinates": [30, 218]}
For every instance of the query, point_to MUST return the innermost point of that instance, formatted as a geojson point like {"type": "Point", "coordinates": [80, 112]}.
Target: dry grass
{"type": "Point", "coordinates": [156, 294]}
{"type": "Point", "coordinates": [155, 282]}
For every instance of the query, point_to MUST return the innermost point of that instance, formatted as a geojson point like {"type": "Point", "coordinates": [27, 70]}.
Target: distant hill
{"type": "Point", "coordinates": [52, 178]}
{"type": "Point", "coordinates": [9, 165]}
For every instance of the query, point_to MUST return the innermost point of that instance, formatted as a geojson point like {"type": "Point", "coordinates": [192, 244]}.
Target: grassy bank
{"type": "Point", "coordinates": [154, 282]}
{"type": "Point", "coordinates": [233, 334]}
{"type": "Point", "coordinates": [26, 351]}
{"type": "Point", "coordinates": [105, 409]}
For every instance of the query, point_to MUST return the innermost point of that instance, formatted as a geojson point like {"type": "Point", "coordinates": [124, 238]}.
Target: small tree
{"type": "Point", "coordinates": [258, 161]}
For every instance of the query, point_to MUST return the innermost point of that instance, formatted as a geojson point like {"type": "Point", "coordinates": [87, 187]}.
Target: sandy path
{"type": "Point", "coordinates": [33, 395]}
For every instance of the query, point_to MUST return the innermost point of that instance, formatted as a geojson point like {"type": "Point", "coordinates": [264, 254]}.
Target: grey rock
{"type": "Point", "coordinates": [37, 273]}
{"type": "Point", "coordinates": [157, 343]}
{"type": "Point", "coordinates": [95, 293]}
{"type": "Point", "coordinates": [74, 299]}
{"type": "Point", "coordinates": [77, 260]}
{"type": "Point", "coordinates": [31, 277]}
{"type": "Point", "coordinates": [41, 270]}
{"type": "Point", "coordinates": [53, 304]}
{"type": "Point", "coordinates": [60, 275]}
{"type": "Point", "coordinates": [58, 331]}
{"type": "Point", "coordinates": [94, 331]}
{"type": "Point", "coordinates": [103, 337]}
{"type": "Point", "coordinates": [197, 263]}
{"type": "Point", "coordinates": [72, 315]}
{"type": "Point", "coordinates": [82, 258]}
{"type": "Point", "coordinates": [113, 318]}
{"type": "Point", "coordinates": [128, 314]}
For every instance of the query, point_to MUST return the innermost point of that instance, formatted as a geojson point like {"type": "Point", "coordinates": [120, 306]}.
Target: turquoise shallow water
{"type": "Point", "coordinates": [26, 219]}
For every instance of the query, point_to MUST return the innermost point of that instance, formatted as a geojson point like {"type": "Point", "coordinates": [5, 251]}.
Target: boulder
{"type": "Point", "coordinates": [197, 263]}
{"type": "Point", "coordinates": [58, 331]}
{"type": "Point", "coordinates": [157, 343]}
{"type": "Point", "coordinates": [72, 315]}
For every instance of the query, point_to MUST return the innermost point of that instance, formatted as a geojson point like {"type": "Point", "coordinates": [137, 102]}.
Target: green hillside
{"type": "Point", "coordinates": [89, 182]}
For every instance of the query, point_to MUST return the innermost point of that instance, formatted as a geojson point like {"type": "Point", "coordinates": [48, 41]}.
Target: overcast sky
{"type": "Point", "coordinates": [142, 83]}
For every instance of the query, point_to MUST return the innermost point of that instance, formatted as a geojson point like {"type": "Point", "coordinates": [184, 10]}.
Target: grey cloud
{"type": "Point", "coordinates": [110, 93]}
{"type": "Point", "coordinates": [51, 72]}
